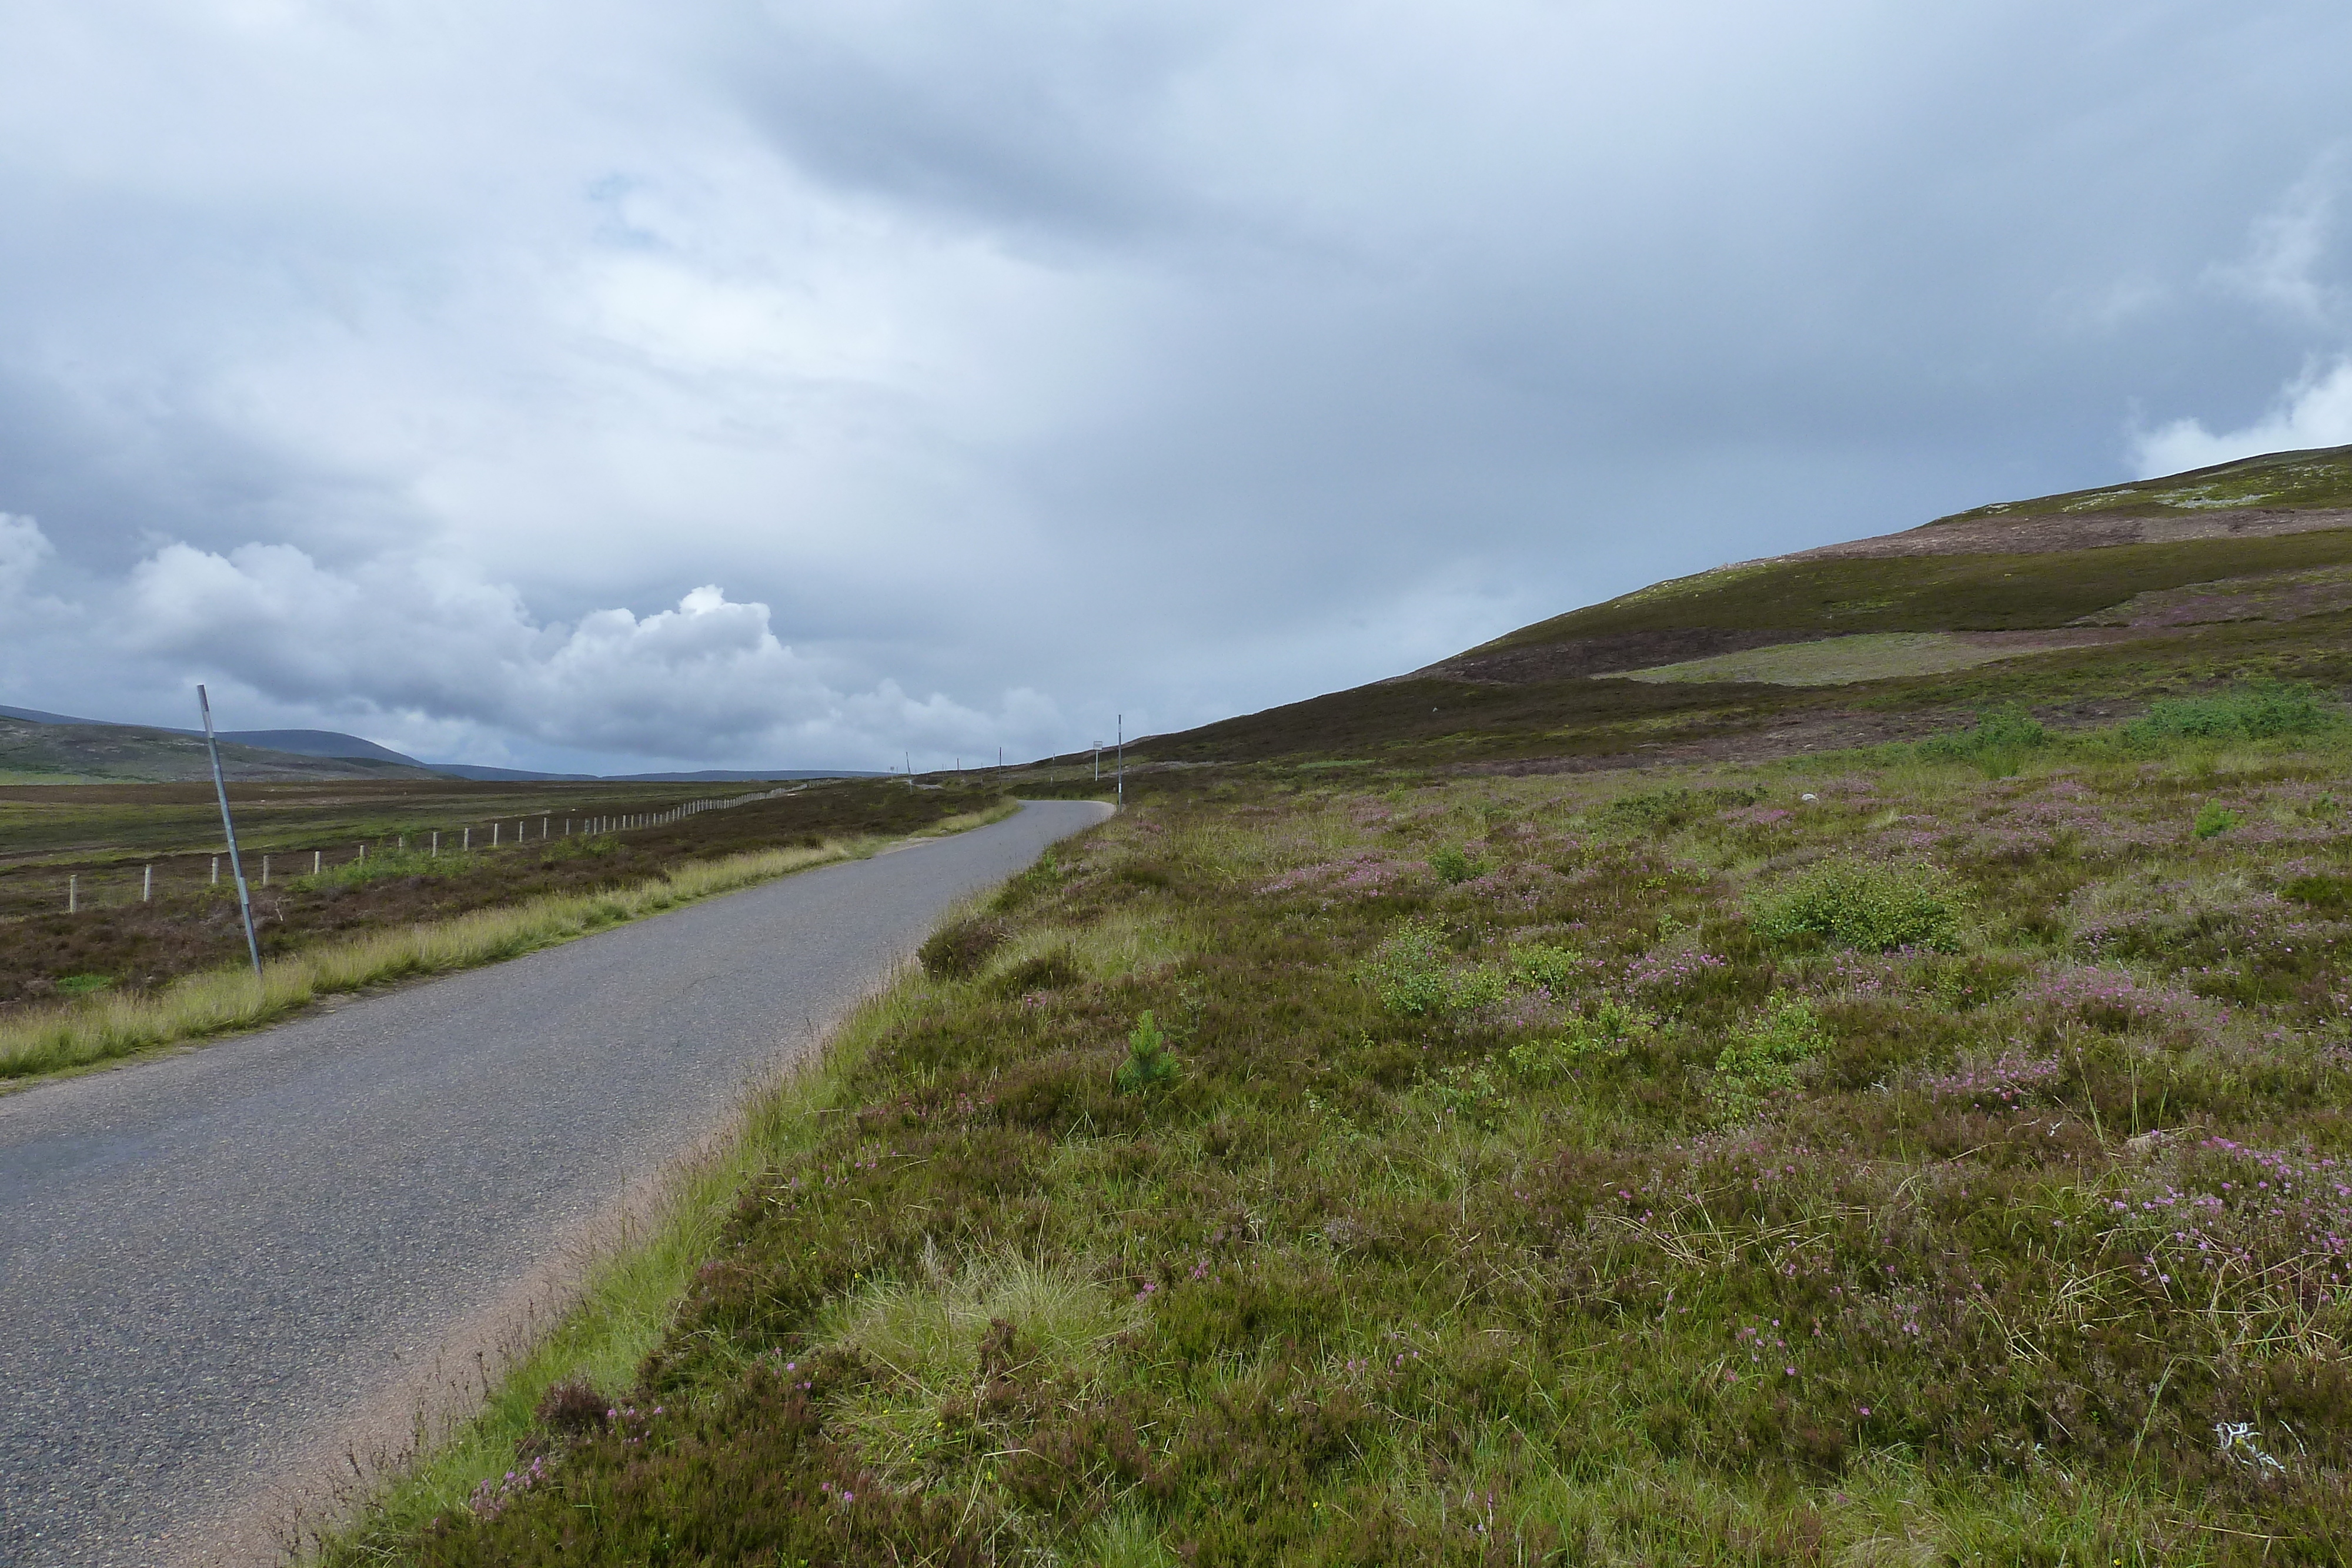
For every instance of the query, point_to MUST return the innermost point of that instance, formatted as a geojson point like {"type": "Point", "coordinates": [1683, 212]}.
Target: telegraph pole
{"type": "Point", "coordinates": [229, 826]}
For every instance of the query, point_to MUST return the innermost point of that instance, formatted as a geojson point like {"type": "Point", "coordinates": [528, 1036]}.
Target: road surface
{"type": "Point", "coordinates": [204, 1256]}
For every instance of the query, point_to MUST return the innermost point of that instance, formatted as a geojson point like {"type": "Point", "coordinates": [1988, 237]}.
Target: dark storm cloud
{"type": "Point", "coordinates": [421, 370]}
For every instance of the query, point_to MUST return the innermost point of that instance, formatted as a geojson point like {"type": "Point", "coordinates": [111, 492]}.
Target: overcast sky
{"type": "Point", "coordinates": [618, 385]}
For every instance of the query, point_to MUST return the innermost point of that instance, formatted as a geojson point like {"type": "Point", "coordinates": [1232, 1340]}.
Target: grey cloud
{"type": "Point", "coordinates": [1181, 361]}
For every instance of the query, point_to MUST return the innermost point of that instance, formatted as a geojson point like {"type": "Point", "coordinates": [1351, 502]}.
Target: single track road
{"type": "Point", "coordinates": [205, 1255]}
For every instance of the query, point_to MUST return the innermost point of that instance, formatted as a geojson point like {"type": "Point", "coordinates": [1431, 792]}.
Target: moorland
{"type": "Point", "coordinates": [1728, 1075]}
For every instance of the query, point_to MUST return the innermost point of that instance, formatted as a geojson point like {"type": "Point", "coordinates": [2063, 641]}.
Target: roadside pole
{"type": "Point", "coordinates": [1122, 765]}
{"type": "Point", "coordinates": [229, 827]}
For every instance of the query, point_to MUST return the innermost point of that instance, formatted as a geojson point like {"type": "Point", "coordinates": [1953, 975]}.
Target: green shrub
{"type": "Point", "coordinates": [1148, 1063]}
{"type": "Point", "coordinates": [2251, 710]}
{"type": "Point", "coordinates": [1866, 904]}
{"type": "Point", "coordinates": [1412, 970]}
{"type": "Point", "coordinates": [1539, 963]}
{"type": "Point", "coordinates": [1471, 1091]}
{"type": "Point", "coordinates": [1997, 743]}
{"type": "Point", "coordinates": [1764, 1055]}
{"type": "Point", "coordinates": [2213, 819]}
{"type": "Point", "coordinates": [1456, 865]}
{"type": "Point", "coordinates": [1663, 811]}
{"type": "Point", "coordinates": [1607, 1034]}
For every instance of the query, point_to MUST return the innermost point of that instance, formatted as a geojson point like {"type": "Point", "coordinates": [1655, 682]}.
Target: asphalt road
{"type": "Point", "coordinates": [203, 1255]}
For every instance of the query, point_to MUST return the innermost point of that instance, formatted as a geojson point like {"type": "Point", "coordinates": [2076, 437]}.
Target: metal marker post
{"type": "Point", "coordinates": [1122, 761]}
{"type": "Point", "coordinates": [229, 826]}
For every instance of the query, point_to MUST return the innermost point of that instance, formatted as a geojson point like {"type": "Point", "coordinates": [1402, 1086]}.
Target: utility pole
{"type": "Point", "coordinates": [229, 826]}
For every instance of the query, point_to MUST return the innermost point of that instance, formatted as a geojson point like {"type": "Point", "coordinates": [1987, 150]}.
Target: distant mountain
{"type": "Point", "coordinates": [320, 743]}
{"type": "Point", "coordinates": [737, 776]}
{"type": "Point", "coordinates": [295, 742]}
{"type": "Point", "coordinates": [334, 745]}
{"type": "Point", "coordinates": [505, 775]}
{"type": "Point", "coordinates": [57, 747]}
{"type": "Point", "coordinates": [34, 715]}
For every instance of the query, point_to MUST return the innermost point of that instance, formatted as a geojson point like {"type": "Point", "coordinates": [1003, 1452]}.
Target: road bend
{"type": "Point", "coordinates": [205, 1254]}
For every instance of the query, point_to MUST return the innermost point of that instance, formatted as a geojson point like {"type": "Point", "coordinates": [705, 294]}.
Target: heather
{"type": "Point", "coordinates": [1881, 1158]}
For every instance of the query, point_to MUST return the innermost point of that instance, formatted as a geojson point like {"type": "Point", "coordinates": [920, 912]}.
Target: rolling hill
{"type": "Point", "coordinates": [2080, 605]}
{"type": "Point", "coordinates": [55, 749]}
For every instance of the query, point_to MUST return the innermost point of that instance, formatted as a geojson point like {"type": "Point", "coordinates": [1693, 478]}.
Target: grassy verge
{"type": "Point", "coordinates": [628, 1301]}
{"type": "Point", "coordinates": [104, 1028]}
{"type": "Point", "coordinates": [1863, 1160]}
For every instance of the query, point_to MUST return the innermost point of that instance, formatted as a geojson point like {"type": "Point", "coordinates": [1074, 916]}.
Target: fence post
{"type": "Point", "coordinates": [229, 826]}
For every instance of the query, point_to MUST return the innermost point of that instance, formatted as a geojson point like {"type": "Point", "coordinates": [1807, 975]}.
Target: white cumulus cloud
{"type": "Point", "coordinates": [708, 681]}
{"type": "Point", "coordinates": [2315, 410]}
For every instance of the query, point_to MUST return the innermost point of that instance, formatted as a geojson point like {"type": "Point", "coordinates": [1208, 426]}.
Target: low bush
{"type": "Point", "coordinates": [1762, 1057]}
{"type": "Point", "coordinates": [1664, 810]}
{"type": "Point", "coordinates": [956, 952]}
{"type": "Point", "coordinates": [1459, 865]}
{"type": "Point", "coordinates": [1865, 905]}
{"type": "Point", "coordinates": [1414, 972]}
{"type": "Point", "coordinates": [1608, 1033]}
{"type": "Point", "coordinates": [1544, 965]}
{"type": "Point", "coordinates": [2252, 710]}
{"type": "Point", "coordinates": [1997, 743]}
{"type": "Point", "coordinates": [2213, 819]}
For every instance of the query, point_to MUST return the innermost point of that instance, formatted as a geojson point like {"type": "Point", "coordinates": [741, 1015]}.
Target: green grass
{"type": "Point", "coordinates": [1838, 661]}
{"type": "Point", "coordinates": [1584, 1211]}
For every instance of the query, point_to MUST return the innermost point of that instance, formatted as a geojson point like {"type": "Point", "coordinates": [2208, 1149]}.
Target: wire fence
{"type": "Point", "coordinates": [141, 881]}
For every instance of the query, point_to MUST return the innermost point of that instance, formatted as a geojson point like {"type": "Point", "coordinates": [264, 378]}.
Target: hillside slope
{"type": "Point", "coordinates": [40, 751]}
{"type": "Point", "coordinates": [2111, 597]}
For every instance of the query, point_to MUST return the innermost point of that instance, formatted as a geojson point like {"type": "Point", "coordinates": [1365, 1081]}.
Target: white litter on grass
{"type": "Point", "coordinates": [1808, 797]}
{"type": "Point", "coordinates": [2239, 1447]}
